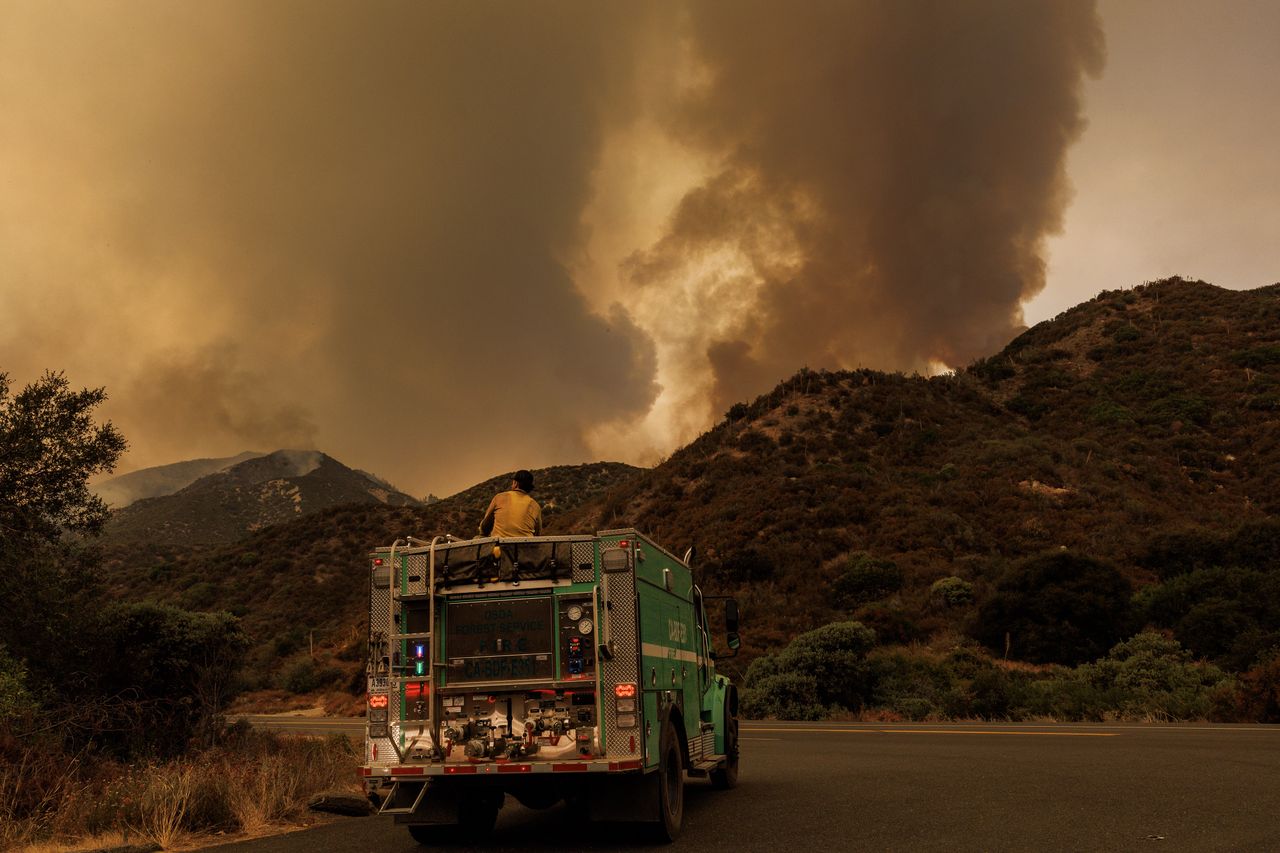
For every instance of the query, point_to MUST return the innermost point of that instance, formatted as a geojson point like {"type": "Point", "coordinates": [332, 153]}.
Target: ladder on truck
{"type": "Point", "coordinates": [414, 668]}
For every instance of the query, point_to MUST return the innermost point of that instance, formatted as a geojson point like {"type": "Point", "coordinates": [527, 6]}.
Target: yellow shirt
{"type": "Point", "coordinates": [512, 513]}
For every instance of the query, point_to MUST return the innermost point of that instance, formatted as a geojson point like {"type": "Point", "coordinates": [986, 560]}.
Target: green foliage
{"type": "Point", "coordinates": [1058, 607]}
{"type": "Point", "coordinates": [1256, 357]}
{"type": "Point", "coordinates": [819, 670]}
{"type": "Point", "coordinates": [915, 686]}
{"type": "Point", "coordinates": [15, 698]}
{"type": "Point", "coordinates": [1231, 615]}
{"type": "Point", "coordinates": [891, 623]}
{"type": "Point", "coordinates": [1257, 698]}
{"type": "Point", "coordinates": [49, 447]}
{"type": "Point", "coordinates": [1155, 678]}
{"type": "Point", "coordinates": [1106, 412]}
{"type": "Point", "coordinates": [304, 676]}
{"type": "Point", "coordinates": [952, 592]}
{"type": "Point", "coordinates": [178, 666]}
{"type": "Point", "coordinates": [867, 579]}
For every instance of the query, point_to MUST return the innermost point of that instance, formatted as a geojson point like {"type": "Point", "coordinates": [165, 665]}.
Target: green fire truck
{"type": "Point", "coordinates": [550, 668]}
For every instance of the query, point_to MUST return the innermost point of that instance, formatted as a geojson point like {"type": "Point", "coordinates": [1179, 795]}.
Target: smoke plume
{"type": "Point", "coordinates": [444, 240]}
{"type": "Point", "coordinates": [886, 176]}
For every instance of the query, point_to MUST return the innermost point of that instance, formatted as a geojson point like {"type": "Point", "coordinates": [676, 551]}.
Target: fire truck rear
{"type": "Point", "coordinates": [551, 668]}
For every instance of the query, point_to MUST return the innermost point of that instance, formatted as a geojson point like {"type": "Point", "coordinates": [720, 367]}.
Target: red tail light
{"type": "Point", "coordinates": [378, 700]}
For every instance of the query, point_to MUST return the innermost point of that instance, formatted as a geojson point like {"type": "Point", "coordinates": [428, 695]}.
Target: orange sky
{"type": "Point", "coordinates": [440, 241]}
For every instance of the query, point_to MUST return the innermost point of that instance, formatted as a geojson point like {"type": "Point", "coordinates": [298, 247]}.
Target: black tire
{"type": "Point", "coordinates": [726, 776]}
{"type": "Point", "coordinates": [670, 786]}
{"type": "Point", "coordinates": [476, 818]}
{"type": "Point", "coordinates": [425, 835]}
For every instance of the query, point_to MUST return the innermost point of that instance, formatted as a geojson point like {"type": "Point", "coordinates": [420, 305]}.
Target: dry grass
{"type": "Point", "coordinates": [253, 781]}
{"type": "Point", "coordinates": [165, 802]}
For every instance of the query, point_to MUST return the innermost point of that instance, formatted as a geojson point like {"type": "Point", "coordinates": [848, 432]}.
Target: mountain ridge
{"type": "Point", "coordinates": [230, 503]}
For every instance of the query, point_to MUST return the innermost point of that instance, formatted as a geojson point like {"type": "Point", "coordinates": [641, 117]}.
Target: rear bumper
{"type": "Point", "coordinates": [510, 768]}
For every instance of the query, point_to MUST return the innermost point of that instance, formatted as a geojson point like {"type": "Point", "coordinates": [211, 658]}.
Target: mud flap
{"type": "Point", "coordinates": [629, 797]}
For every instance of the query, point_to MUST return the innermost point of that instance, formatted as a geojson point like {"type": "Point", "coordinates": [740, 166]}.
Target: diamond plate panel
{"type": "Point", "coordinates": [379, 628]}
{"type": "Point", "coordinates": [620, 591]}
{"type": "Point", "coordinates": [416, 566]}
{"type": "Point", "coordinates": [583, 554]}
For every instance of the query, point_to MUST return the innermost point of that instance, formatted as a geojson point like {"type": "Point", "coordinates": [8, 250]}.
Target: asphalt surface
{"type": "Point", "coordinates": [819, 786]}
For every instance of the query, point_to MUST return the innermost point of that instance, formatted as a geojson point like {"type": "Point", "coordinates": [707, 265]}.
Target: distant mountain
{"type": "Point", "coordinates": [233, 502]}
{"type": "Point", "coordinates": [162, 480]}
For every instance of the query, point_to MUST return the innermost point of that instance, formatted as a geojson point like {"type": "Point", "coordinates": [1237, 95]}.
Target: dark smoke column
{"type": "Point", "coordinates": [891, 171]}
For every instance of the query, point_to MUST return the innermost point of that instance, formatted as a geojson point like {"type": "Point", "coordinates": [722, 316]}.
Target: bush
{"type": "Point", "coordinates": [1231, 615]}
{"type": "Point", "coordinates": [178, 666]}
{"type": "Point", "coordinates": [15, 699]}
{"type": "Point", "coordinates": [1058, 607]}
{"type": "Point", "coordinates": [1155, 678]}
{"type": "Point", "coordinates": [952, 592]}
{"type": "Point", "coordinates": [784, 696]}
{"type": "Point", "coordinates": [867, 579]}
{"type": "Point", "coordinates": [1257, 694]}
{"type": "Point", "coordinates": [911, 685]}
{"type": "Point", "coordinates": [304, 676]}
{"type": "Point", "coordinates": [817, 672]}
{"type": "Point", "coordinates": [892, 624]}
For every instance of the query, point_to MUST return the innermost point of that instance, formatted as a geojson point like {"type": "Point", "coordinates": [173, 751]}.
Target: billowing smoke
{"type": "Point", "coordinates": [403, 233]}
{"type": "Point", "coordinates": [294, 224]}
{"type": "Point", "coordinates": [884, 177]}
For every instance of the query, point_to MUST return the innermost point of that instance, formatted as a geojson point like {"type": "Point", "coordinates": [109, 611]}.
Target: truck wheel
{"type": "Point", "coordinates": [476, 818]}
{"type": "Point", "coordinates": [726, 776]}
{"type": "Point", "coordinates": [670, 786]}
{"type": "Point", "coordinates": [425, 835]}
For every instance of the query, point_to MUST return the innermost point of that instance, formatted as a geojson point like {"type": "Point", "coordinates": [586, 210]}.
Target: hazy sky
{"type": "Point", "coordinates": [443, 240]}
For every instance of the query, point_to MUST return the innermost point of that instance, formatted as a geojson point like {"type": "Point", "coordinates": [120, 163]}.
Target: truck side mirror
{"type": "Point", "coordinates": [735, 642]}
{"type": "Point", "coordinates": [731, 616]}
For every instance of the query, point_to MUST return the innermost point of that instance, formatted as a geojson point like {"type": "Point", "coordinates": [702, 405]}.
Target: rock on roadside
{"type": "Point", "coordinates": [340, 802]}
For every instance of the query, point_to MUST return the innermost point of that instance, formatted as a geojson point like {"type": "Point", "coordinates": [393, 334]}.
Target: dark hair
{"type": "Point", "coordinates": [524, 480]}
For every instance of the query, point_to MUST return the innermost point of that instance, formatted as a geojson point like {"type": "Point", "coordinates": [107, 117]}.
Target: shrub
{"type": "Point", "coordinates": [179, 666]}
{"type": "Point", "coordinates": [15, 699]}
{"type": "Point", "coordinates": [867, 579]}
{"type": "Point", "coordinates": [1155, 678]}
{"type": "Point", "coordinates": [784, 696]}
{"type": "Point", "coordinates": [1257, 695]}
{"type": "Point", "coordinates": [892, 624]}
{"type": "Point", "coordinates": [818, 671]}
{"type": "Point", "coordinates": [952, 592]}
{"type": "Point", "coordinates": [1231, 615]}
{"type": "Point", "coordinates": [911, 685]}
{"type": "Point", "coordinates": [1058, 607]}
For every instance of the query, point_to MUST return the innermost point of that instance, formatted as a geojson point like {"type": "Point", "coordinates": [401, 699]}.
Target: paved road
{"type": "Point", "coordinates": [817, 786]}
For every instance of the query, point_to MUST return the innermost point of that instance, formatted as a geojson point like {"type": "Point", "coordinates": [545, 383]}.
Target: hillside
{"type": "Point", "coordinates": [1133, 416]}
{"type": "Point", "coordinates": [162, 480]}
{"type": "Point", "coordinates": [1135, 420]}
{"type": "Point", "coordinates": [308, 575]}
{"type": "Point", "coordinates": [231, 503]}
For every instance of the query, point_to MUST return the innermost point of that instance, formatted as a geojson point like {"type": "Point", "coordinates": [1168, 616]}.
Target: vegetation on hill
{"type": "Point", "coordinates": [1111, 470]}
{"type": "Point", "coordinates": [1136, 416]}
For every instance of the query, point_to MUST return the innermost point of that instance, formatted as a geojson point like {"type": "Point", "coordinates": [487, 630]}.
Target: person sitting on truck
{"type": "Point", "coordinates": [513, 512]}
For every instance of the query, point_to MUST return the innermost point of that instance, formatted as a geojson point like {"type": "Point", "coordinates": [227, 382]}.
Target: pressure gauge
{"type": "Point", "coordinates": [585, 626]}
{"type": "Point", "coordinates": [574, 613]}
